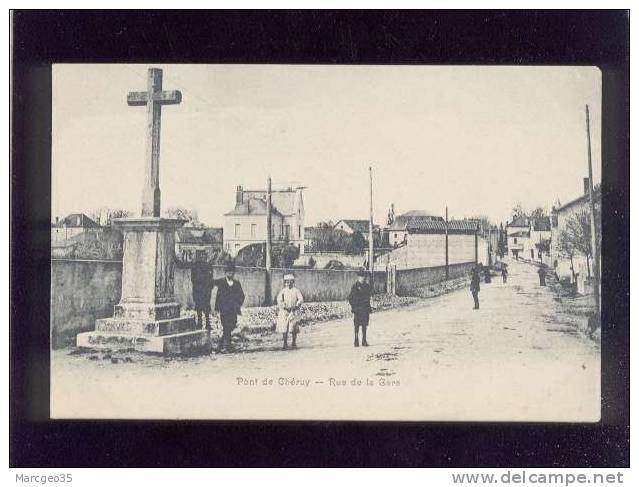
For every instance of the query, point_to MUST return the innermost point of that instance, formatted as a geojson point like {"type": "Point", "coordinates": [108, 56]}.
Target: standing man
{"type": "Point", "coordinates": [542, 276]}
{"type": "Point", "coordinates": [228, 302]}
{"type": "Point", "coordinates": [504, 273]}
{"type": "Point", "coordinates": [202, 283]}
{"type": "Point", "coordinates": [474, 286]}
{"type": "Point", "coordinates": [289, 301]}
{"type": "Point", "coordinates": [360, 301]}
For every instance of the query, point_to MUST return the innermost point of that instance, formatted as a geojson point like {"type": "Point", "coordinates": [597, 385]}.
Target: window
{"type": "Point", "coordinates": [287, 231]}
{"type": "Point", "coordinates": [395, 235]}
{"type": "Point", "coordinates": [253, 230]}
{"type": "Point", "coordinates": [237, 230]}
{"type": "Point", "coordinates": [515, 240]}
{"type": "Point", "coordinates": [299, 231]}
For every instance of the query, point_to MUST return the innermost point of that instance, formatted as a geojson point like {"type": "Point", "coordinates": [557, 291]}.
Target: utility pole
{"type": "Point", "coordinates": [267, 293]}
{"type": "Point", "coordinates": [371, 255]}
{"type": "Point", "coordinates": [446, 228]}
{"type": "Point", "coordinates": [476, 242]}
{"type": "Point", "coordinates": [593, 225]}
{"type": "Point", "coordinates": [490, 243]}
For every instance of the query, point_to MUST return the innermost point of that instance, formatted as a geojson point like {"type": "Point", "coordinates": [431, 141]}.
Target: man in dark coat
{"type": "Point", "coordinates": [202, 283]}
{"type": "Point", "coordinates": [504, 273]}
{"type": "Point", "coordinates": [228, 303]}
{"type": "Point", "coordinates": [542, 276]}
{"type": "Point", "coordinates": [360, 301]}
{"type": "Point", "coordinates": [474, 286]}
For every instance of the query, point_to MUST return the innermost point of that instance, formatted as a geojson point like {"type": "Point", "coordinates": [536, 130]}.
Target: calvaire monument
{"type": "Point", "coordinates": [147, 318]}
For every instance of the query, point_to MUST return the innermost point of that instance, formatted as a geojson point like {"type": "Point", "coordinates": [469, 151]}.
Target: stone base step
{"type": "Point", "coordinates": [150, 327]}
{"type": "Point", "coordinates": [196, 342]}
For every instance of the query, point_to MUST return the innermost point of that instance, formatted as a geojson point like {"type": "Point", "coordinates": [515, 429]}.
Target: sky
{"type": "Point", "coordinates": [475, 139]}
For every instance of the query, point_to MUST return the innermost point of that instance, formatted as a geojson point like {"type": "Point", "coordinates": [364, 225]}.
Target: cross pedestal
{"type": "Point", "coordinates": [147, 318]}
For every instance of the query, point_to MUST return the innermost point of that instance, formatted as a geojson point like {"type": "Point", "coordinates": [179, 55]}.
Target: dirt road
{"type": "Point", "coordinates": [517, 358]}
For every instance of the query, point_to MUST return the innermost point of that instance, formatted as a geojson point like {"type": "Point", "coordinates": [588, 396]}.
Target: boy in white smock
{"type": "Point", "coordinates": [289, 301]}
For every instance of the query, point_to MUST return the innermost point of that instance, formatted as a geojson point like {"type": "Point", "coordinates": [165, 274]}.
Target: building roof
{"type": "Point", "coordinates": [283, 200]}
{"type": "Point", "coordinates": [541, 224]}
{"type": "Point", "coordinates": [581, 199]}
{"type": "Point", "coordinates": [403, 221]}
{"type": "Point", "coordinates": [357, 225]}
{"type": "Point", "coordinates": [519, 222]}
{"type": "Point", "coordinates": [439, 226]}
{"type": "Point", "coordinates": [75, 220]}
{"type": "Point", "coordinates": [252, 206]}
{"type": "Point", "coordinates": [201, 236]}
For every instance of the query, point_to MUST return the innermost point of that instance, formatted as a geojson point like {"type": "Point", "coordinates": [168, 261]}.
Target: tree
{"type": "Point", "coordinates": [356, 244]}
{"type": "Point", "coordinates": [181, 213]}
{"type": "Point", "coordinates": [566, 248]}
{"type": "Point", "coordinates": [538, 213]}
{"type": "Point", "coordinates": [105, 216]}
{"type": "Point", "coordinates": [543, 247]}
{"type": "Point", "coordinates": [578, 232]}
{"type": "Point", "coordinates": [284, 256]}
{"type": "Point", "coordinates": [519, 211]}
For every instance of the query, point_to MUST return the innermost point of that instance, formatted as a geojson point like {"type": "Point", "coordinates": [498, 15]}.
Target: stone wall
{"type": "Point", "coordinates": [409, 281]}
{"type": "Point", "coordinates": [429, 250]}
{"type": "Point", "coordinates": [82, 291]}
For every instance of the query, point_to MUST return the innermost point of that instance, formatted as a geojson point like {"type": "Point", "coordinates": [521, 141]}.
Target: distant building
{"type": "Point", "coordinates": [71, 226]}
{"type": "Point", "coordinates": [559, 220]}
{"type": "Point", "coordinates": [398, 229]}
{"type": "Point", "coordinates": [245, 224]}
{"type": "Point", "coordinates": [361, 226]}
{"type": "Point", "coordinates": [518, 236]}
{"type": "Point", "coordinates": [425, 243]}
{"type": "Point", "coordinates": [192, 242]}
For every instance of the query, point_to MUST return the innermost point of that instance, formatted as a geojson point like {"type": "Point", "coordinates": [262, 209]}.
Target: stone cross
{"type": "Point", "coordinates": [153, 99]}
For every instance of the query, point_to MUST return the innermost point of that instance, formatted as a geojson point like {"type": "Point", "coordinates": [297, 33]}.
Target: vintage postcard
{"type": "Point", "coordinates": [326, 242]}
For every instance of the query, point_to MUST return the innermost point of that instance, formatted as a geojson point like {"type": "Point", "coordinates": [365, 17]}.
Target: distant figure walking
{"type": "Point", "coordinates": [542, 276]}
{"type": "Point", "coordinates": [360, 301]}
{"type": "Point", "coordinates": [504, 274]}
{"type": "Point", "coordinates": [487, 276]}
{"type": "Point", "coordinates": [474, 286]}
{"type": "Point", "coordinates": [202, 283]}
{"type": "Point", "coordinates": [289, 301]}
{"type": "Point", "coordinates": [228, 302]}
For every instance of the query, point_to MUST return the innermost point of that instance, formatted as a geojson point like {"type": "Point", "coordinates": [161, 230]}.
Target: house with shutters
{"type": "Point", "coordinates": [245, 224]}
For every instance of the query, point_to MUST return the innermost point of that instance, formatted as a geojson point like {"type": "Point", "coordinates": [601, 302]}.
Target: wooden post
{"type": "Point", "coordinates": [446, 229]}
{"type": "Point", "coordinates": [593, 224]}
{"type": "Point", "coordinates": [476, 242]}
{"type": "Point", "coordinates": [267, 290]}
{"type": "Point", "coordinates": [371, 254]}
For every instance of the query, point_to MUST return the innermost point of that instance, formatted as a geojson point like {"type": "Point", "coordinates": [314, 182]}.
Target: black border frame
{"type": "Point", "coordinates": [42, 37]}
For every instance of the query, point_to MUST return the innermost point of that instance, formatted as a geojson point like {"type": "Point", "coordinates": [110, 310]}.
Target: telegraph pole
{"type": "Point", "coordinates": [446, 228]}
{"type": "Point", "coordinates": [371, 255]}
{"type": "Point", "coordinates": [593, 225]}
{"type": "Point", "coordinates": [267, 293]}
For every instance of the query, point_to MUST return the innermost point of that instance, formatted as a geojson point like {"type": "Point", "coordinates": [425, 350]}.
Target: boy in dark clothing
{"type": "Point", "coordinates": [360, 301]}
{"type": "Point", "coordinates": [228, 302]}
{"type": "Point", "coordinates": [504, 274]}
{"type": "Point", "coordinates": [202, 283]}
{"type": "Point", "coordinates": [474, 287]}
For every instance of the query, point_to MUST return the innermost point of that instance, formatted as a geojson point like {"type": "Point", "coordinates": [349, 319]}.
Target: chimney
{"type": "Point", "coordinates": [239, 196]}
{"type": "Point", "coordinates": [586, 186]}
